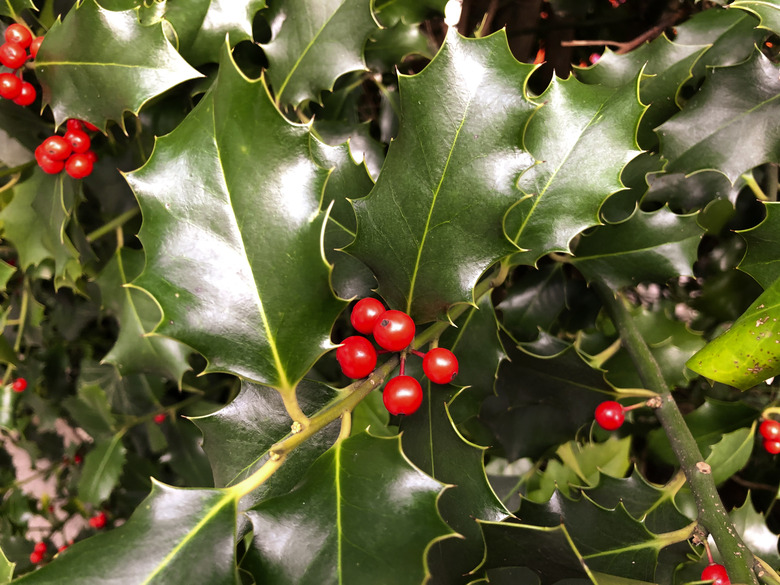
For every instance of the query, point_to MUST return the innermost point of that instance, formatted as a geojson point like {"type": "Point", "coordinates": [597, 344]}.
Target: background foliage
{"type": "Point", "coordinates": [261, 164]}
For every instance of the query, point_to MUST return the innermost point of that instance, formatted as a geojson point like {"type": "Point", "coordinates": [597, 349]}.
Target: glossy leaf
{"type": "Point", "coordinates": [174, 536]}
{"type": "Point", "coordinates": [751, 526]}
{"type": "Point", "coordinates": [102, 468]}
{"type": "Point", "coordinates": [666, 65]}
{"type": "Point", "coordinates": [247, 220]}
{"type": "Point", "coordinates": [313, 43]}
{"type": "Point", "coordinates": [201, 26]}
{"type": "Point", "coordinates": [533, 302]}
{"type": "Point", "coordinates": [749, 352]}
{"type": "Point", "coordinates": [647, 247]}
{"type": "Point", "coordinates": [767, 11]}
{"type": "Point", "coordinates": [237, 437]}
{"type": "Point", "coordinates": [582, 137]}
{"type": "Point", "coordinates": [390, 12]}
{"type": "Point", "coordinates": [91, 410]}
{"type": "Point", "coordinates": [14, 8]}
{"type": "Point", "coordinates": [542, 403]}
{"type": "Point", "coordinates": [411, 227]}
{"type": "Point", "coordinates": [388, 47]}
{"type": "Point", "coordinates": [731, 454]}
{"type": "Point", "coordinates": [343, 505]}
{"type": "Point", "coordinates": [103, 75]}
{"type": "Point", "coordinates": [761, 260]}
{"type": "Point", "coordinates": [134, 351]}
{"type": "Point", "coordinates": [704, 136]}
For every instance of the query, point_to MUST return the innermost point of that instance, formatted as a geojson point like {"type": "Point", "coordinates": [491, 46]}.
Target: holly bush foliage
{"type": "Point", "coordinates": [605, 231]}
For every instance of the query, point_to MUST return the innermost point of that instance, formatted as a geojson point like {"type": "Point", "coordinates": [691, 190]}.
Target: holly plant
{"type": "Point", "coordinates": [390, 292]}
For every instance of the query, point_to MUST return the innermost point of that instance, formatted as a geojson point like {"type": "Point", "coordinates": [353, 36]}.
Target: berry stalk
{"type": "Point", "coordinates": [737, 558]}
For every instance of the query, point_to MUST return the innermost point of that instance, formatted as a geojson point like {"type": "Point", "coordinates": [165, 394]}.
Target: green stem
{"type": "Point", "coordinates": [113, 224]}
{"type": "Point", "coordinates": [17, 169]}
{"type": "Point", "coordinates": [751, 182]}
{"type": "Point", "coordinates": [737, 558]}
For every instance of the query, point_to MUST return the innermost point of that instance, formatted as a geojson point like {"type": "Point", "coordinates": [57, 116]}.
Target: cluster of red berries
{"type": "Point", "coordinates": [36, 556]}
{"type": "Point", "coordinates": [14, 54]}
{"type": "Point", "coordinates": [770, 432]}
{"type": "Point", "coordinates": [716, 573]}
{"type": "Point", "coordinates": [70, 152]}
{"type": "Point", "coordinates": [393, 331]}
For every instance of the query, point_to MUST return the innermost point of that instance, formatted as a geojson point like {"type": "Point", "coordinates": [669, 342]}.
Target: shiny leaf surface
{"type": "Point", "coordinates": [767, 11]}
{"type": "Point", "coordinates": [102, 468]}
{"type": "Point", "coordinates": [761, 260]}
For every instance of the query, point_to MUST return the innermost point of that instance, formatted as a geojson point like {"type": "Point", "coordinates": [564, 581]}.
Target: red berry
{"type": "Point", "coordinates": [356, 356]}
{"type": "Point", "coordinates": [10, 86]}
{"type": "Point", "coordinates": [79, 140]}
{"type": "Point", "coordinates": [98, 520]}
{"type": "Point", "coordinates": [19, 34]}
{"type": "Point", "coordinates": [19, 385]}
{"type": "Point", "coordinates": [36, 557]}
{"type": "Point", "coordinates": [394, 331]}
{"type": "Point", "coordinates": [49, 165]}
{"type": "Point", "coordinates": [402, 395]}
{"type": "Point", "coordinates": [715, 573]}
{"type": "Point", "coordinates": [609, 415]}
{"type": "Point", "coordinates": [365, 314]}
{"type": "Point", "coordinates": [34, 46]}
{"type": "Point", "coordinates": [440, 365]}
{"type": "Point", "coordinates": [770, 430]}
{"type": "Point", "coordinates": [159, 418]}
{"type": "Point", "coordinates": [27, 95]}
{"type": "Point", "coordinates": [62, 548]}
{"type": "Point", "coordinates": [90, 154]}
{"type": "Point", "coordinates": [40, 547]}
{"type": "Point", "coordinates": [74, 124]}
{"type": "Point", "coordinates": [88, 126]}
{"type": "Point", "coordinates": [77, 459]}
{"type": "Point", "coordinates": [772, 446]}
{"type": "Point", "coordinates": [12, 55]}
{"type": "Point", "coordinates": [79, 166]}
{"type": "Point", "coordinates": [56, 148]}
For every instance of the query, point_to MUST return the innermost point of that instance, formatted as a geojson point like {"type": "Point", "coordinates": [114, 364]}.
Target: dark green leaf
{"type": "Point", "coordinates": [344, 505]}
{"type": "Point", "coordinates": [217, 225]}
{"type": "Point", "coordinates": [761, 260]}
{"type": "Point", "coordinates": [737, 105]}
{"type": "Point", "coordinates": [134, 351]}
{"type": "Point", "coordinates": [647, 247]}
{"type": "Point", "coordinates": [767, 11]}
{"type": "Point", "coordinates": [314, 42]}
{"type": "Point", "coordinates": [749, 352]}
{"type": "Point", "coordinates": [751, 526]}
{"type": "Point", "coordinates": [388, 47]}
{"type": "Point", "coordinates": [90, 409]}
{"type": "Point", "coordinates": [689, 193]}
{"type": "Point", "coordinates": [390, 12]}
{"type": "Point", "coordinates": [731, 454]}
{"type": "Point", "coordinates": [174, 536]}
{"type": "Point", "coordinates": [534, 301]}
{"type": "Point", "coordinates": [102, 468]}
{"type": "Point", "coordinates": [595, 130]}
{"type": "Point", "coordinates": [14, 8]}
{"type": "Point", "coordinates": [238, 436]}
{"type": "Point", "coordinates": [201, 26]}
{"type": "Point", "coordinates": [456, 148]}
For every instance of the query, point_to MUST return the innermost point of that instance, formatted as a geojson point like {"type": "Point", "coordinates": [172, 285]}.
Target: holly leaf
{"type": "Point", "coordinates": [174, 536]}
{"type": "Point", "coordinates": [736, 105]}
{"type": "Point", "coordinates": [349, 495]}
{"type": "Point", "coordinates": [731, 453]}
{"type": "Point", "coordinates": [35, 221]}
{"type": "Point", "coordinates": [761, 260]}
{"type": "Point", "coordinates": [135, 351]}
{"type": "Point", "coordinates": [595, 129]}
{"type": "Point", "coordinates": [665, 66]}
{"type": "Point", "coordinates": [6, 569]}
{"type": "Point", "coordinates": [102, 468]}
{"type": "Point", "coordinates": [389, 12]}
{"type": "Point", "coordinates": [216, 225]}
{"type": "Point", "coordinates": [767, 11]}
{"type": "Point", "coordinates": [456, 148]}
{"type": "Point", "coordinates": [388, 47]}
{"type": "Point", "coordinates": [542, 403]}
{"type": "Point", "coordinates": [91, 410]}
{"type": "Point", "coordinates": [313, 43]}
{"type": "Point", "coordinates": [749, 352]}
{"type": "Point", "coordinates": [104, 74]}
{"type": "Point", "coordinates": [201, 26]}
{"type": "Point", "coordinates": [14, 8]}
{"type": "Point", "coordinates": [647, 247]}
{"type": "Point", "coordinates": [237, 438]}
{"type": "Point", "coordinates": [751, 526]}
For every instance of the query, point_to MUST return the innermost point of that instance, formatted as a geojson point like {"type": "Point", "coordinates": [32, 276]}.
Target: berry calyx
{"type": "Point", "coordinates": [394, 331]}
{"type": "Point", "coordinates": [609, 415]}
{"type": "Point", "coordinates": [10, 86]}
{"type": "Point", "coordinates": [56, 148]}
{"type": "Point", "coordinates": [19, 385]}
{"type": "Point", "coordinates": [402, 395]}
{"type": "Point", "coordinates": [34, 46]}
{"type": "Point", "coordinates": [27, 96]}
{"type": "Point", "coordinates": [79, 140]}
{"type": "Point", "coordinates": [440, 365]}
{"type": "Point", "coordinates": [365, 314]}
{"type": "Point", "coordinates": [716, 573]}
{"type": "Point", "coordinates": [159, 418]}
{"type": "Point", "coordinates": [356, 356]}
{"type": "Point", "coordinates": [770, 430]}
{"type": "Point", "coordinates": [48, 164]}
{"type": "Point", "coordinates": [19, 34]}
{"type": "Point", "coordinates": [98, 520]}
{"type": "Point", "coordinates": [79, 166]}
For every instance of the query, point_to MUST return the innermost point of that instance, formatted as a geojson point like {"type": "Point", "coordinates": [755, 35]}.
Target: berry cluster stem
{"type": "Point", "coordinates": [712, 515]}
